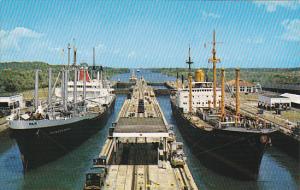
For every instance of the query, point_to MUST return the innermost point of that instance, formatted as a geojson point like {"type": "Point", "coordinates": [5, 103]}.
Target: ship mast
{"type": "Point", "coordinates": [177, 85]}
{"type": "Point", "coordinates": [49, 88]}
{"type": "Point", "coordinates": [63, 87]}
{"type": "Point", "coordinates": [222, 94]}
{"type": "Point", "coordinates": [237, 96]}
{"type": "Point", "coordinates": [214, 60]}
{"type": "Point", "coordinates": [94, 63]}
{"type": "Point", "coordinates": [69, 59]}
{"type": "Point", "coordinates": [75, 82]}
{"type": "Point", "coordinates": [190, 62]}
{"type": "Point", "coordinates": [66, 79]}
{"type": "Point", "coordinates": [84, 84]}
{"type": "Point", "coordinates": [36, 89]}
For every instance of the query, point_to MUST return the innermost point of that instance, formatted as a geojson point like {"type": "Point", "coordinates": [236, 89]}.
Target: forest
{"type": "Point", "coordinates": [264, 76]}
{"type": "Point", "coordinates": [16, 77]}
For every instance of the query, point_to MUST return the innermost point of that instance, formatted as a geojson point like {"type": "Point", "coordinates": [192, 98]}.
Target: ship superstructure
{"type": "Point", "coordinates": [225, 137]}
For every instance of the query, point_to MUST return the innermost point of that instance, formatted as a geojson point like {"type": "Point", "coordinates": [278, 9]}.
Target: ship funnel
{"type": "Point", "coordinates": [84, 73]}
{"type": "Point", "coordinates": [199, 76]}
{"type": "Point", "coordinates": [75, 52]}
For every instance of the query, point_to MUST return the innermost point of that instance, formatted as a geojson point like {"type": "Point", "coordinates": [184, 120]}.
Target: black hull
{"type": "Point", "coordinates": [233, 154]}
{"type": "Point", "coordinates": [286, 144]}
{"type": "Point", "coordinates": [40, 146]}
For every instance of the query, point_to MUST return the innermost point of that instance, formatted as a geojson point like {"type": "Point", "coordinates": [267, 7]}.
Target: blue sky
{"type": "Point", "coordinates": [152, 33]}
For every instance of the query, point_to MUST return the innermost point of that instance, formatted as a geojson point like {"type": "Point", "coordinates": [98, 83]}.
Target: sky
{"type": "Point", "coordinates": [148, 34]}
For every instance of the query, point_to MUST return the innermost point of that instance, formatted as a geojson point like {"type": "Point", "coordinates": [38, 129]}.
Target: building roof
{"type": "Point", "coordinates": [242, 83]}
{"type": "Point", "coordinates": [273, 96]}
{"type": "Point", "coordinates": [293, 97]}
{"type": "Point", "coordinates": [140, 125]}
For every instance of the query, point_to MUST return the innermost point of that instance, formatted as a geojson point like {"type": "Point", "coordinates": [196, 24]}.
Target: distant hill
{"type": "Point", "coordinates": [264, 76]}
{"type": "Point", "coordinates": [19, 76]}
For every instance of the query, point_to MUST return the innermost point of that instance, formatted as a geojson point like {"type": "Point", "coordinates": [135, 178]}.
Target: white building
{"type": "Point", "coordinates": [245, 86]}
{"type": "Point", "coordinates": [295, 99]}
{"type": "Point", "coordinates": [273, 101]}
{"type": "Point", "coordinates": [11, 102]}
{"type": "Point", "coordinates": [202, 96]}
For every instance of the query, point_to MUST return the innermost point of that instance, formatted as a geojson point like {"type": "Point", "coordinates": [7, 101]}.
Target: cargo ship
{"type": "Point", "coordinates": [222, 138]}
{"type": "Point", "coordinates": [57, 126]}
{"type": "Point", "coordinates": [133, 77]}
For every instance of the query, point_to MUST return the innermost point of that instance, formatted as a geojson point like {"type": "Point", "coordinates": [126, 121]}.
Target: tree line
{"type": "Point", "coordinates": [16, 77]}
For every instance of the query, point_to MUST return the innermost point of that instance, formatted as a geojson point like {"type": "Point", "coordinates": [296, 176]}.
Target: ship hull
{"type": "Point", "coordinates": [234, 154]}
{"type": "Point", "coordinates": [286, 144]}
{"type": "Point", "coordinates": [42, 145]}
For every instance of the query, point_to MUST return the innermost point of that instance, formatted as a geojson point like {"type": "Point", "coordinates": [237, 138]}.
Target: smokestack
{"type": "Point", "coordinates": [75, 52]}
{"type": "Point", "coordinates": [101, 76]}
{"type": "Point", "coordinates": [237, 95]}
{"type": "Point", "coordinates": [222, 94]}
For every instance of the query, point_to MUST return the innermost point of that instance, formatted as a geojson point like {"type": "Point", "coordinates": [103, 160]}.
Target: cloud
{"type": "Point", "coordinates": [206, 15]}
{"type": "Point", "coordinates": [254, 40]}
{"type": "Point", "coordinates": [292, 30]}
{"type": "Point", "coordinates": [132, 55]}
{"type": "Point", "coordinates": [101, 48]}
{"type": "Point", "coordinates": [11, 39]}
{"type": "Point", "coordinates": [271, 6]}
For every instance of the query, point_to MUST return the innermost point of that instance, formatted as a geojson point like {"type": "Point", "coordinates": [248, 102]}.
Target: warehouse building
{"type": "Point", "coordinates": [10, 102]}
{"type": "Point", "coordinates": [272, 102]}
{"type": "Point", "coordinates": [245, 86]}
{"type": "Point", "coordinates": [295, 99]}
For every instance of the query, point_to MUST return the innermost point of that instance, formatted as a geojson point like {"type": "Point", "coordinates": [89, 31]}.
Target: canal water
{"type": "Point", "coordinates": [277, 170]}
